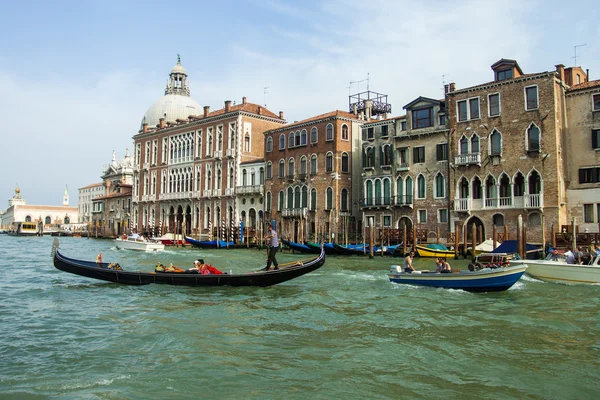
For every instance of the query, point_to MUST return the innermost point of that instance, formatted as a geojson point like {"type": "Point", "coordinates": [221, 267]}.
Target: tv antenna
{"type": "Point", "coordinates": [444, 82]}
{"type": "Point", "coordinates": [575, 52]}
{"type": "Point", "coordinates": [265, 95]}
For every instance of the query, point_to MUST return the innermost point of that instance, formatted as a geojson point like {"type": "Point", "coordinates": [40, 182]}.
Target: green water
{"type": "Point", "coordinates": [341, 332]}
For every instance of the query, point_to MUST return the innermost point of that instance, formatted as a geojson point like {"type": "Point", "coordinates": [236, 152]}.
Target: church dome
{"type": "Point", "coordinates": [176, 103]}
{"type": "Point", "coordinates": [174, 106]}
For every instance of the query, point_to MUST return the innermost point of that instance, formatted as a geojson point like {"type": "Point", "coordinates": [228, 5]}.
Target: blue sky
{"type": "Point", "coordinates": [76, 77]}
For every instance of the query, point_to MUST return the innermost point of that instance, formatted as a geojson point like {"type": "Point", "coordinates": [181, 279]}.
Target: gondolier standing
{"type": "Point", "coordinates": [272, 241]}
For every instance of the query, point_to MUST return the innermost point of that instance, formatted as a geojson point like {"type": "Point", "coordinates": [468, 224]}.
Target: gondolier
{"type": "Point", "coordinates": [272, 241]}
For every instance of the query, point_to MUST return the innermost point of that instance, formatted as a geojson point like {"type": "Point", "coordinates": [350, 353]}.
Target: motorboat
{"type": "Point", "coordinates": [137, 242]}
{"type": "Point", "coordinates": [554, 268]}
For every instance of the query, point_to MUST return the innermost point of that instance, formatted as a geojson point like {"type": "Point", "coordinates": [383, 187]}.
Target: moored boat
{"type": "Point", "coordinates": [25, 229]}
{"type": "Point", "coordinates": [329, 247]}
{"type": "Point", "coordinates": [209, 244]}
{"type": "Point", "coordinates": [137, 242]}
{"type": "Point", "coordinates": [434, 250]}
{"type": "Point", "coordinates": [171, 239]}
{"type": "Point", "coordinates": [107, 272]}
{"type": "Point", "coordinates": [300, 247]}
{"type": "Point", "coordinates": [555, 269]}
{"type": "Point", "coordinates": [484, 280]}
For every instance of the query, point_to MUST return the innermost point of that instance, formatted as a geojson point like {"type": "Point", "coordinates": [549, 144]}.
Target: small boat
{"type": "Point", "coordinates": [483, 280]}
{"type": "Point", "coordinates": [24, 229]}
{"type": "Point", "coordinates": [106, 272]}
{"type": "Point", "coordinates": [555, 269]}
{"type": "Point", "coordinates": [300, 247]}
{"type": "Point", "coordinates": [353, 249]}
{"type": "Point", "coordinates": [329, 247]}
{"type": "Point", "coordinates": [386, 250]}
{"type": "Point", "coordinates": [434, 250]}
{"type": "Point", "coordinates": [209, 244]}
{"type": "Point", "coordinates": [170, 239]}
{"type": "Point", "coordinates": [137, 242]}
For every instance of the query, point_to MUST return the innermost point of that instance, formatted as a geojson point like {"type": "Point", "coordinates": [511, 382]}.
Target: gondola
{"type": "Point", "coordinates": [209, 244]}
{"type": "Point", "coordinates": [329, 247]}
{"type": "Point", "coordinates": [91, 269]}
{"type": "Point", "coordinates": [300, 247]}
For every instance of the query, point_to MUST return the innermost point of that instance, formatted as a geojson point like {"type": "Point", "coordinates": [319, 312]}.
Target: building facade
{"type": "Point", "coordinates": [309, 171]}
{"type": "Point", "coordinates": [86, 195]}
{"type": "Point", "coordinates": [509, 156]}
{"type": "Point", "coordinates": [583, 151]}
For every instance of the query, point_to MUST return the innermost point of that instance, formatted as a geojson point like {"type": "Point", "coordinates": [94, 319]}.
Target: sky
{"type": "Point", "coordinates": [76, 77]}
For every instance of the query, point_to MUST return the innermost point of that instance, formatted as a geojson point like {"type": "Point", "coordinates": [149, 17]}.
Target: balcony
{"type": "Point", "coordinates": [230, 153]}
{"type": "Point", "coordinates": [376, 202]}
{"type": "Point", "coordinates": [207, 193]}
{"type": "Point", "coordinates": [294, 212]}
{"type": "Point", "coordinates": [468, 159]}
{"type": "Point", "coordinates": [462, 205]}
{"type": "Point", "coordinates": [290, 177]}
{"type": "Point", "coordinates": [176, 196]}
{"type": "Point", "coordinates": [253, 189]}
{"type": "Point", "coordinates": [403, 200]}
{"type": "Point", "coordinates": [404, 166]}
{"type": "Point", "coordinates": [498, 203]}
{"type": "Point", "coordinates": [302, 177]}
{"type": "Point", "coordinates": [229, 192]}
{"type": "Point", "coordinates": [218, 154]}
{"type": "Point", "coordinates": [534, 200]}
{"type": "Point", "coordinates": [146, 197]}
{"type": "Point", "coordinates": [217, 193]}
{"type": "Point", "coordinates": [146, 165]}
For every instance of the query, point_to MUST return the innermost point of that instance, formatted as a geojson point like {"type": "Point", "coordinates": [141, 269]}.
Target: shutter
{"type": "Point", "coordinates": [595, 135]}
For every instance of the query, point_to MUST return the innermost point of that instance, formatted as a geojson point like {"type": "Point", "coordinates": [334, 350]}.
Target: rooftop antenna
{"type": "Point", "coordinates": [575, 52]}
{"type": "Point", "coordinates": [367, 81]}
{"type": "Point", "coordinates": [265, 95]}
{"type": "Point", "coordinates": [444, 82]}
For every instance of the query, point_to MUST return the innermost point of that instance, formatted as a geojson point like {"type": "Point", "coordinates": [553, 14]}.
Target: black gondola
{"type": "Point", "coordinates": [300, 247]}
{"type": "Point", "coordinates": [91, 269]}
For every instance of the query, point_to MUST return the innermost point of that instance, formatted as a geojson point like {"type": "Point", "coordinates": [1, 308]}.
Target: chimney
{"type": "Point", "coordinates": [280, 114]}
{"type": "Point", "coordinates": [244, 100]}
{"type": "Point", "coordinates": [206, 111]}
{"type": "Point", "coordinates": [451, 87]}
{"type": "Point", "coordinates": [259, 110]}
{"type": "Point", "coordinates": [587, 74]}
{"type": "Point", "coordinates": [227, 105]}
{"type": "Point", "coordinates": [446, 89]}
{"type": "Point", "coordinates": [368, 108]}
{"type": "Point", "coordinates": [161, 123]}
{"type": "Point", "coordinates": [561, 71]}
{"type": "Point", "coordinates": [144, 127]}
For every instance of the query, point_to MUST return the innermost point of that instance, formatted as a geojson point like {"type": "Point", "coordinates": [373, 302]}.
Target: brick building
{"type": "Point", "coordinates": [507, 142]}
{"type": "Point", "coordinates": [583, 151]}
{"type": "Point", "coordinates": [187, 165]}
{"type": "Point", "coordinates": [309, 168]}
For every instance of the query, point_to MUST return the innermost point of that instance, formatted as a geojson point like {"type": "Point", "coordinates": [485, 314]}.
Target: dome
{"type": "Point", "coordinates": [178, 69]}
{"type": "Point", "coordinates": [174, 106]}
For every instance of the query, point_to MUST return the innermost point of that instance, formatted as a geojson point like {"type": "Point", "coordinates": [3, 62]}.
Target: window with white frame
{"type": "Point", "coordinates": [345, 162]}
{"type": "Point", "coordinates": [282, 141]}
{"type": "Point", "coordinates": [531, 98]}
{"type": "Point", "coordinates": [495, 143]}
{"type": "Point", "coordinates": [269, 170]}
{"type": "Point", "coordinates": [440, 186]}
{"type": "Point", "coordinates": [386, 221]}
{"type": "Point", "coordinates": [463, 146]}
{"type": "Point", "coordinates": [494, 104]}
{"type": "Point", "coordinates": [442, 215]}
{"type": "Point", "coordinates": [329, 132]}
{"type": "Point", "coordinates": [313, 164]}
{"type": "Point", "coordinates": [421, 187]}
{"type": "Point", "coordinates": [303, 137]}
{"type": "Point", "coordinates": [468, 109]}
{"type": "Point", "coordinates": [588, 213]}
{"type": "Point", "coordinates": [329, 162]}
{"type": "Point", "coordinates": [422, 215]}
{"type": "Point", "coordinates": [281, 172]}
{"type": "Point", "coordinates": [291, 140]}
{"type": "Point", "coordinates": [314, 135]}
{"type": "Point", "coordinates": [474, 144]}
{"type": "Point", "coordinates": [269, 144]}
{"type": "Point", "coordinates": [532, 139]}
{"type": "Point", "coordinates": [345, 132]}
{"type": "Point", "coordinates": [595, 138]}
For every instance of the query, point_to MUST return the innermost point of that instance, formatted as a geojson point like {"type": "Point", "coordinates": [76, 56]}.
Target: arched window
{"type": "Point", "coordinates": [314, 135]}
{"type": "Point", "coordinates": [385, 156]}
{"type": "Point", "coordinates": [463, 146]}
{"type": "Point", "coordinates": [290, 197]}
{"type": "Point", "coordinates": [344, 200]}
{"type": "Point", "coordinates": [519, 185]}
{"type": "Point", "coordinates": [475, 144]}
{"type": "Point", "coordinates": [297, 197]}
{"type": "Point", "coordinates": [303, 137]}
{"type": "Point", "coordinates": [495, 143]}
{"type": "Point", "coordinates": [304, 197]}
{"type": "Point", "coordinates": [477, 192]}
{"type": "Point", "coordinates": [409, 190]}
{"type": "Point", "coordinates": [378, 194]}
{"type": "Point", "coordinates": [247, 143]}
{"type": "Point", "coordinates": [313, 164]}
{"type": "Point", "coordinates": [313, 199]}
{"type": "Point", "coordinates": [261, 176]}
{"type": "Point", "coordinates": [505, 198]}
{"type": "Point", "coordinates": [280, 201]}
{"type": "Point", "coordinates": [329, 205]}
{"type": "Point", "coordinates": [368, 157]}
{"type": "Point", "coordinates": [345, 162]}
{"type": "Point", "coordinates": [532, 140]}
{"type": "Point", "coordinates": [291, 168]}
{"type": "Point", "coordinates": [369, 194]}
{"type": "Point", "coordinates": [400, 191]}
{"type": "Point", "coordinates": [440, 186]}
{"type": "Point", "coordinates": [490, 192]}
{"type": "Point", "coordinates": [463, 188]}
{"type": "Point", "coordinates": [303, 165]}
{"type": "Point", "coordinates": [244, 178]}
{"type": "Point", "coordinates": [329, 162]}
{"type": "Point", "coordinates": [268, 202]}
{"type": "Point", "coordinates": [47, 220]}
{"type": "Point", "coordinates": [387, 192]}
{"type": "Point", "coordinates": [498, 220]}
{"type": "Point", "coordinates": [269, 144]}
{"type": "Point", "coordinates": [534, 219]}
{"type": "Point", "coordinates": [535, 183]}
{"type": "Point", "coordinates": [282, 141]}
{"type": "Point", "coordinates": [269, 171]}
{"type": "Point", "coordinates": [345, 132]}
{"type": "Point", "coordinates": [291, 140]}
{"type": "Point", "coordinates": [230, 178]}
{"type": "Point", "coordinates": [28, 218]}
{"type": "Point", "coordinates": [329, 132]}
{"type": "Point", "coordinates": [421, 188]}
{"type": "Point", "coordinates": [297, 142]}
{"type": "Point", "coordinates": [281, 173]}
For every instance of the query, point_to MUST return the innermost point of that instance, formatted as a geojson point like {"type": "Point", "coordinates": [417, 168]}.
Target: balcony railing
{"type": "Point", "coordinates": [302, 177]}
{"type": "Point", "coordinates": [403, 200]}
{"type": "Point", "coordinates": [146, 165]}
{"type": "Point", "coordinates": [229, 192]}
{"type": "Point", "coordinates": [294, 212]}
{"type": "Point", "coordinates": [404, 166]}
{"type": "Point", "coordinates": [468, 159]}
{"type": "Point", "coordinates": [218, 154]}
{"type": "Point", "coordinates": [462, 205]}
{"type": "Point", "coordinates": [516, 202]}
{"type": "Point", "coordinates": [534, 200]}
{"type": "Point", "coordinates": [230, 153]}
{"type": "Point", "coordinates": [207, 193]}
{"type": "Point", "coordinates": [250, 189]}
{"type": "Point", "coordinates": [290, 177]}
{"type": "Point", "coordinates": [217, 192]}
{"type": "Point", "coordinates": [376, 202]}
{"type": "Point", "coordinates": [176, 196]}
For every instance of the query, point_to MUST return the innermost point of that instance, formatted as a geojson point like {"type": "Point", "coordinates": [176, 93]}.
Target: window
{"type": "Point", "coordinates": [422, 216]}
{"type": "Point", "coordinates": [304, 203]}
{"type": "Point", "coordinates": [268, 202]}
{"type": "Point", "coordinates": [368, 157]}
{"type": "Point", "coordinates": [589, 175]}
{"type": "Point", "coordinates": [385, 155]}
{"type": "Point", "coordinates": [387, 221]}
{"type": "Point", "coordinates": [421, 189]}
{"type": "Point", "coordinates": [463, 146]}
{"type": "Point", "coordinates": [291, 140]}
{"type": "Point", "coordinates": [442, 215]}
{"type": "Point", "coordinates": [329, 199]}
{"type": "Point", "coordinates": [498, 219]}
{"type": "Point", "coordinates": [344, 132]}
{"type": "Point", "coordinates": [369, 134]}
{"type": "Point", "coordinates": [314, 135]}
{"type": "Point", "coordinates": [595, 138]}
{"type": "Point", "coordinates": [344, 200]}
{"type": "Point", "coordinates": [495, 143]}
{"type": "Point", "coordinates": [442, 119]}
{"type": "Point", "coordinates": [345, 163]}
{"type": "Point", "coordinates": [403, 125]}
{"type": "Point", "coordinates": [313, 199]}
{"type": "Point", "coordinates": [494, 104]}
{"type": "Point", "coordinates": [329, 132]}
{"type": "Point", "coordinates": [403, 157]}
{"type": "Point", "coordinates": [313, 164]}
{"type": "Point", "coordinates": [468, 109]}
{"type": "Point", "coordinates": [533, 139]}
{"type": "Point", "coordinates": [440, 186]}
{"type": "Point", "coordinates": [303, 137]}
{"type": "Point", "coordinates": [418, 154]}
{"type": "Point", "coordinates": [282, 141]}
{"type": "Point", "coordinates": [422, 118]}
{"type": "Point", "coordinates": [384, 131]}
{"type": "Point", "coordinates": [531, 98]}
{"type": "Point", "coordinates": [281, 173]}
{"type": "Point", "coordinates": [280, 201]}
{"type": "Point", "coordinates": [291, 167]}
{"type": "Point", "coordinates": [474, 144]}
{"type": "Point", "coordinates": [588, 213]}
{"type": "Point", "coordinates": [441, 152]}
{"type": "Point", "coordinates": [329, 162]}
{"type": "Point", "coordinates": [269, 170]}
{"type": "Point", "coordinates": [269, 144]}
{"type": "Point", "coordinates": [504, 74]}
{"type": "Point", "coordinates": [596, 102]}
{"type": "Point", "coordinates": [303, 165]}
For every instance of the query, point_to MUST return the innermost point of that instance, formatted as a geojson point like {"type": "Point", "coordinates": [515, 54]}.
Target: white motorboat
{"type": "Point", "coordinates": [137, 242]}
{"type": "Point", "coordinates": [556, 269]}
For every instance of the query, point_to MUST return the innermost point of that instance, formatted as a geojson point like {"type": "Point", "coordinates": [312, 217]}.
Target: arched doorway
{"type": "Point", "coordinates": [171, 219]}
{"type": "Point", "coordinates": [479, 226]}
{"type": "Point", "coordinates": [179, 220]}
{"type": "Point", "coordinates": [188, 220]}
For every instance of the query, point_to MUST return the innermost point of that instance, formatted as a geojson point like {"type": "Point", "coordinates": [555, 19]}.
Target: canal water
{"type": "Point", "coordinates": [341, 332]}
